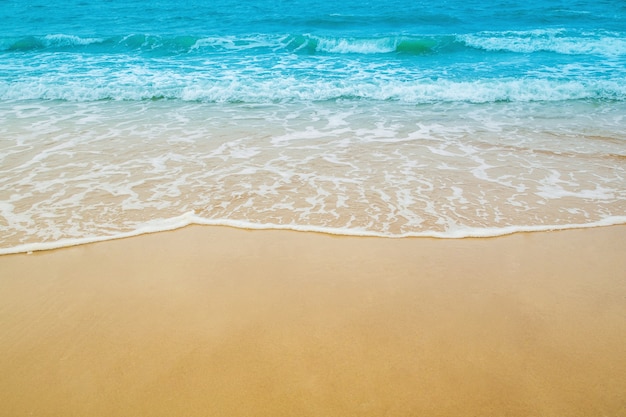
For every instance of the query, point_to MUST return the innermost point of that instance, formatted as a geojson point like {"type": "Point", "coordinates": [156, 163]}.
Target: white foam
{"type": "Point", "coordinates": [236, 43]}
{"type": "Point", "coordinates": [554, 40]}
{"type": "Point", "coordinates": [554, 191]}
{"type": "Point", "coordinates": [354, 45]}
{"type": "Point", "coordinates": [137, 83]}
{"type": "Point", "coordinates": [60, 40]}
{"type": "Point", "coordinates": [379, 170]}
{"type": "Point", "coordinates": [454, 231]}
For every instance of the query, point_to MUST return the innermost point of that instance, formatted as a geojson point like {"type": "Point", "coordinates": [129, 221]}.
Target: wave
{"type": "Point", "coordinates": [559, 41]}
{"type": "Point", "coordinates": [554, 40]}
{"type": "Point", "coordinates": [54, 41]}
{"type": "Point", "coordinates": [191, 87]}
{"type": "Point", "coordinates": [193, 44]}
{"type": "Point", "coordinates": [133, 42]}
{"type": "Point", "coordinates": [377, 45]}
{"type": "Point", "coordinates": [191, 218]}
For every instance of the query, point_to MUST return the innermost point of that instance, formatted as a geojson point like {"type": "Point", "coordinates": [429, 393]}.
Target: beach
{"type": "Point", "coordinates": [219, 321]}
{"type": "Point", "coordinates": [305, 208]}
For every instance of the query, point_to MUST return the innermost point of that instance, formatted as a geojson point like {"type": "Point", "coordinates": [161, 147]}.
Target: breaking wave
{"type": "Point", "coordinates": [559, 41]}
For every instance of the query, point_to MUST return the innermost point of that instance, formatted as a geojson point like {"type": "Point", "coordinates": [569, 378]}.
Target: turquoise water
{"type": "Point", "coordinates": [269, 51]}
{"type": "Point", "coordinates": [396, 118]}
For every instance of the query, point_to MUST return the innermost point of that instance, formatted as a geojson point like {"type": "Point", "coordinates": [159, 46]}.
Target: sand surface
{"type": "Point", "coordinates": [214, 321]}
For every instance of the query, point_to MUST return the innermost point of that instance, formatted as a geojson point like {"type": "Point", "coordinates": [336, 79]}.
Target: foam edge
{"type": "Point", "coordinates": [190, 218]}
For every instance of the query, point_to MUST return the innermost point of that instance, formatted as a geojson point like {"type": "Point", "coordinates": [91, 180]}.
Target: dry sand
{"type": "Point", "coordinates": [214, 321]}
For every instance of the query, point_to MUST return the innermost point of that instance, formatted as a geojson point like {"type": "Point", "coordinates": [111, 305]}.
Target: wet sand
{"type": "Point", "coordinates": [215, 321]}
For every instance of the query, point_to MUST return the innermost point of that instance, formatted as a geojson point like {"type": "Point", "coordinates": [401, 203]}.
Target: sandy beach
{"type": "Point", "coordinates": [216, 321]}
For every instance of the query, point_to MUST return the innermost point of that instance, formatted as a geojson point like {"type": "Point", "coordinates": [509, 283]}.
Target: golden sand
{"type": "Point", "coordinates": [214, 321]}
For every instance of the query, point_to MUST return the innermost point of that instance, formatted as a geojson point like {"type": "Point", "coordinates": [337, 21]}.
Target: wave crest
{"type": "Point", "coordinates": [556, 41]}
{"type": "Point", "coordinates": [381, 45]}
{"type": "Point", "coordinates": [53, 41]}
{"type": "Point", "coordinates": [190, 88]}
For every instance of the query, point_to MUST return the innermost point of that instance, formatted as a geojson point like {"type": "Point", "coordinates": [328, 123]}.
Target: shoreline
{"type": "Point", "coordinates": [215, 320]}
{"type": "Point", "coordinates": [190, 219]}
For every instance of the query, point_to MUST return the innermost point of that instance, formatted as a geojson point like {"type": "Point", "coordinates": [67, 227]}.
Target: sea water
{"type": "Point", "coordinates": [385, 118]}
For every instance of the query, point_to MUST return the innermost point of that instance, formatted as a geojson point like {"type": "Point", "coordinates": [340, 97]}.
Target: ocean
{"type": "Point", "coordinates": [399, 118]}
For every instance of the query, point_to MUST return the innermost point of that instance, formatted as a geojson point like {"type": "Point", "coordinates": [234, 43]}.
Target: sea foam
{"type": "Point", "coordinates": [138, 85]}
{"type": "Point", "coordinates": [190, 218]}
{"type": "Point", "coordinates": [554, 40]}
{"type": "Point", "coordinates": [100, 169]}
{"type": "Point", "coordinates": [403, 119]}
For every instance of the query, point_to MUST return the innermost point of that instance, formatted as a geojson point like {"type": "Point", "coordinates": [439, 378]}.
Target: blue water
{"type": "Point", "coordinates": [268, 51]}
{"type": "Point", "coordinates": [397, 118]}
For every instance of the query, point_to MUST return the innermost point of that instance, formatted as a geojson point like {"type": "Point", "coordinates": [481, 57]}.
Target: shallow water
{"type": "Point", "coordinates": [402, 119]}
